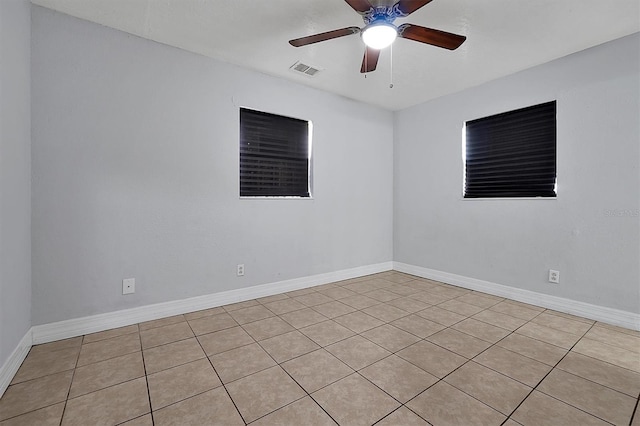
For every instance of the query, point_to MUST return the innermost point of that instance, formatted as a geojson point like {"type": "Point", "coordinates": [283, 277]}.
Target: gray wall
{"type": "Point", "coordinates": [135, 174]}
{"type": "Point", "coordinates": [590, 233]}
{"type": "Point", "coordinates": [15, 174]}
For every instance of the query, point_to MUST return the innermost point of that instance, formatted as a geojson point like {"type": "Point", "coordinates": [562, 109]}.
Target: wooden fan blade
{"type": "Point", "coordinates": [370, 60]}
{"type": "Point", "coordinates": [303, 41]}
{"type": "Point", "coordinates": [430, 36]}
{"type": "Point", "coordinates": [360, 6]}
{"type": "Point", "coordinates": [407, 7]}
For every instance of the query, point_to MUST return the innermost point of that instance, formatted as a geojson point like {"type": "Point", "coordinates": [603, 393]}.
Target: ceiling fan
{"type": "Point", "coordinates": [380, 32]}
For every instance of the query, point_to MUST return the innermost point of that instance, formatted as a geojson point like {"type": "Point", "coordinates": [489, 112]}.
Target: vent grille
{"type": "Point", "coordinates": [305, 69]}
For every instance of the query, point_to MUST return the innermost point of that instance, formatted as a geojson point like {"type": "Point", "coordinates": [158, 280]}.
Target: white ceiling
{"type": "Point", "coordinates": [503, 36]}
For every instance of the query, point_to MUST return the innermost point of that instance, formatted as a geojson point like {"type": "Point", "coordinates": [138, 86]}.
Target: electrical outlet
{"type": "Point", "coordinates": [240, 270]}
{"type": "Point", "coordinates": [128, 285]}
{"type": "Point", "coordinates": [554, 276]}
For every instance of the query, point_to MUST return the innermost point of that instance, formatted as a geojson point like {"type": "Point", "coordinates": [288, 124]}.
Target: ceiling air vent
{"type": "Point", "coordinates": [305, 69]}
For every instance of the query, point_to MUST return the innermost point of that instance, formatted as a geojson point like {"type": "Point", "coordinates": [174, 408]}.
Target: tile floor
{"type": "Point", "coordinates": [386, 349]}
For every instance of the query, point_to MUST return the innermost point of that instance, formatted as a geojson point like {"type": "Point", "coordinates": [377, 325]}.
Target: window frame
{"type": "Point", "coordinates": [504, 113]}
{"type": "Point", "coordinates": [309, 158]}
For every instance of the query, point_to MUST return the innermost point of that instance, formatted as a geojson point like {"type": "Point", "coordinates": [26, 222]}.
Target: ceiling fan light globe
{"type": "Point", "coordinates": [379, 35]}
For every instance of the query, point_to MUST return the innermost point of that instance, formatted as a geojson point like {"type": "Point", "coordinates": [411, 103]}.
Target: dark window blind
{"type": "Point", "coordinates": [512, 154]}
{"type": "Point", "coordinates": [274, 155]}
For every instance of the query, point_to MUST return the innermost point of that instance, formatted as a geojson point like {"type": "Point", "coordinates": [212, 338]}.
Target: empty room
{"type": "Point", "coordinates": [303, 212]}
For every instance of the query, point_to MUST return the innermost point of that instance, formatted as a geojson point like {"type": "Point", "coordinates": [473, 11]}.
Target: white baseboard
{"type": "Point", "coordinates": [13, 363]}
{"type": "Point", "coordinates": [94, 323]}
{"type": "Point", "coordinates": [598, 313]}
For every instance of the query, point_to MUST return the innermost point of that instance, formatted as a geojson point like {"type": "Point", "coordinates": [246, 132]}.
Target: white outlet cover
{"type": "Point", "coordinates": [128, 286]}
{"type": "Point", "coordinates": [554, 276]}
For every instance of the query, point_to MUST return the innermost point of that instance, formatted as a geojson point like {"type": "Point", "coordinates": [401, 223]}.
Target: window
{"type": "Point", "coordinates": [512, 154]}
{"type": "Point", "coordinates": [275, 153]}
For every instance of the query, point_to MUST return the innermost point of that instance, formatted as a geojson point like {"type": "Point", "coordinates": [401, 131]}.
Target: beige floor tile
{"type": "Point", "coordinates": [357, 352]}
{"type": "Point", "coordinates": [210, 324]}
{"type": "Point", "coordinates": [204, 313]}
{"type": "Point", "coordinates": [145, 420]}
{"type": "Point", "coordinates": [316, 370]}
{"type": "Point", "coordinates": [360, 301]}
{"type": "Point", "coordinates": [240, 362]}
{"type": "Point", "coordinates": [382, 295]}
{"type": "Point", "coordinates": [569, 316]}
{"type": "Point", "coordinates": [34, 394]}
{"type": "Point", "coordinates": [289, 345]}
{"type": "Point", "coordinates": [272, 298]}
{"type": "Point", "coordinates": [614, 338]}
{"type": "Point", "coordinates": [459, 307]}
{"type": "Point", "coordinates": [109, 348]}
{"type": "Point", "coordinates": [161, 322]}
{"type": "Point", "coordinates": [636, 418]}
{"type": "Point", "coordinates": [313, 299]}
{"type": "Point", "coordinates": [337, 293]}
{"type": "Point", "coordinates": [635, 333]}
{"type": "Point", "coordinates": [432, 358]}
{"type": "Point", "coordinates": [605, 403]}
{"type": "Point", "coordinates": [402, 290]}
{"type": "Point", "coordinates": [611, 354]}
{"type": "Point", "coordinates": [418, 325]}
{"type": "Point", "coordinates": [548, 335]}
{"type": "Point", "coordinates": [494, 389]}
{"type": "Point", "coordinates": [43, 363]}
{"type": "Point", "coordinates": [448, 290]}
{"type": "Point", "coordinates": [327, 332]}
{"type": "Point", "coordinates": [358, 321]}
{"type": "Point", "coordinates": [74, 342]}
{"type": "Point", "coordinates": [430, 298]}
{"type": "Point", "coordinates": [442, 404]}
{"type": "Point", "coordinates": [480, 299]}
{"type": "Point", "coordinates": [108, 334]}
{"type": "Point", "coordinates": [514, 365]}
{"type": "Point", "coordinates": [408, 304]}
{"type": "Point", "coordinates": [367, 285]}
{"type": "Point", "coordinates": [283, 306]}
{"type": "Point", "coordinates": [500, 320]}
{"type": "Point", "coordinates": [398, 277]}
{"type": "Point", "coordinates": [166, 334]}
{"type": "Point", "coordinates": [303, 317]}
{"type": "Point", "coordinates": [262, 393]}
{"type": "Point", "coordinates": [333, 309]}
{"type": "Point", "coordinates": [240, 305]}
{"type": "Point", "coordinates": [175, 384]}
{"type": "Point", "coordinates": [266, 328]}
{"type": "Point", "coordinates": [100, 375]}
{"type": "Point", "coordinates": [304, 411]}
{"type": "Point", "coordinates": [481, 330]}
{"type": "Point", "coordinates": [109, 406]}
{"type": "Point", "coordinates": [390, 337]}
{"type": "Point", "coordinates": [385, 312]}
{"type": "Point", "coordinates": [441, 316]}
{"type": "Point", "coordinates": [542, 410]}
{"type": "Point", "coordinates": [399, 378]}
{"type": "Point", "coordinates": [562, 324]}
{"type": "Point", "coordinates": [510, 422]}
{"type": "Point", "coordinates": [536, 349]}
{"type": "Point", "coordinates": [402, 416]}
{"type": "Point", "coordinates": [300, 292]}
{"type": "Point", "coordinates": [173, 354]}
{"type": "Point", "coordinates": [213, 408]}
{"type": "Point", "coordinates": [48, 416]}
{"type": "Point", "coordinates": [250, 314]}
{"type": "Point", "coordinates": [612, 376]}
{"type": "Point", "coordinates": [458, 342]}
{"type": "Point", "coordinates": [355, 401]}
{"type": "Point", "coordinates": [509, 308]}
{"type": "Point", "coordinates": [224, 340]}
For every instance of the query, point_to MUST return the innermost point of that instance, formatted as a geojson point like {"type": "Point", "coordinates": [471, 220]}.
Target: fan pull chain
{"type": "Point", "coordinates": [391, 67]}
